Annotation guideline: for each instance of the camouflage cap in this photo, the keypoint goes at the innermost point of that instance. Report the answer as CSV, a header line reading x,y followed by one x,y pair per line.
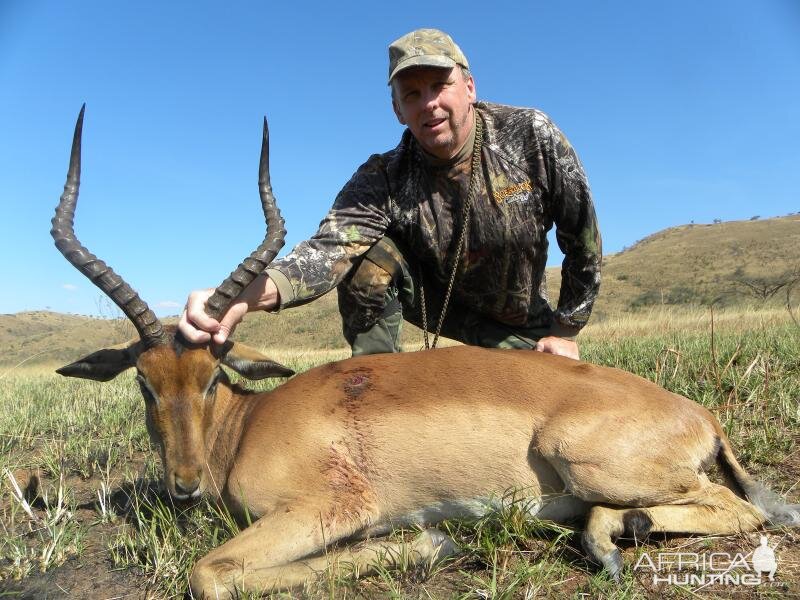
x,y
424,47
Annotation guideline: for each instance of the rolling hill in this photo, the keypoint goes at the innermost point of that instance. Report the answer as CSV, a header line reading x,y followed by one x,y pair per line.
x,y
730,263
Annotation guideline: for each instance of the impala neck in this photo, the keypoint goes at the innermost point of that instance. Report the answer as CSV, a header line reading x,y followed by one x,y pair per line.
x,y
223,432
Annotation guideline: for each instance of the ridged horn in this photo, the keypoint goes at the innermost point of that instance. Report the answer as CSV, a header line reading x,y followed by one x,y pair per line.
x,y
63,232
259,260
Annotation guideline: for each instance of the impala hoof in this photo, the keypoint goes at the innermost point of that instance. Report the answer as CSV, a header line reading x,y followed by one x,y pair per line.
x,y
612,563
435,546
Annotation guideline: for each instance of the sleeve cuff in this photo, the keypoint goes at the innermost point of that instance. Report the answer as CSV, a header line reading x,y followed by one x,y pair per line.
x,y
285,290
564,331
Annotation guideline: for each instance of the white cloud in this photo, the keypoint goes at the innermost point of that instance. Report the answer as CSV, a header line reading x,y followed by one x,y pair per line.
x,y
169,304
69,287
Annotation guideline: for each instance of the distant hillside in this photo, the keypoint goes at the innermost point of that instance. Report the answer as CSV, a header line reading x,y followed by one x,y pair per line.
x,y
727,263
47,337
730,263
35,337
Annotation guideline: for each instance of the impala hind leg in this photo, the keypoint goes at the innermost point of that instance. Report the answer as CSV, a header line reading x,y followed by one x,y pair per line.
x,y
713,510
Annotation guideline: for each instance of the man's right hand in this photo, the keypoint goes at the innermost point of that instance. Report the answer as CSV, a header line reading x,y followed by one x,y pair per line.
x,y
197,327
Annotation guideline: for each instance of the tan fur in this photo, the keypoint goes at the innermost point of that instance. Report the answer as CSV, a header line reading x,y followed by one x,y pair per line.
x,y
349,449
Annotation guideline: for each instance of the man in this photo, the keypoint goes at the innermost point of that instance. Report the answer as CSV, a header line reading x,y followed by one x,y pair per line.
x,y
446,230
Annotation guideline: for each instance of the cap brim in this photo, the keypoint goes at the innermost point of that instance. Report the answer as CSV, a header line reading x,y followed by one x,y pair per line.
x,y
443,62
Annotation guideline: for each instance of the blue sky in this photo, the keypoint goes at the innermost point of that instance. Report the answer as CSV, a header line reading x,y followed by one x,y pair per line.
x,y
680,111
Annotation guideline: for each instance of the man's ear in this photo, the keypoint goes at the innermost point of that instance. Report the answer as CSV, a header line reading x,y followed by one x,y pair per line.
x,y
397,112
104,364
472,92
249,362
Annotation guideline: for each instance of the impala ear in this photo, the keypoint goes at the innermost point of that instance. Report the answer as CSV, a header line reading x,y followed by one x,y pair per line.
x,y
249,362
104,364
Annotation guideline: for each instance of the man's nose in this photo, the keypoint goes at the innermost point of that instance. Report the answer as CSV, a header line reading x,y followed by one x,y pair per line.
x,y
431,100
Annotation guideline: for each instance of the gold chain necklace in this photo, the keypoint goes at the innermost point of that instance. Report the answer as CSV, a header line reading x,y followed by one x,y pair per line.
x,y
466,215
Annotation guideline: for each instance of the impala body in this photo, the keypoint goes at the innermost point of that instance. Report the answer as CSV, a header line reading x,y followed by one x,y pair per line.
x,y
348,450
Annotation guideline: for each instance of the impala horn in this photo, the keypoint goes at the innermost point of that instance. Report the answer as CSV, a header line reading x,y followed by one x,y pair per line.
x,y
254,264
144,320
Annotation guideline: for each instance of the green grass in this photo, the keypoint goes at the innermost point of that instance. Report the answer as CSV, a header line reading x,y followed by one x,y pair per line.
x,y
96,476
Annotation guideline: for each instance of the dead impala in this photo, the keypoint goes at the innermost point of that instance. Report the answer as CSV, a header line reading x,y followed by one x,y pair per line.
x,y
344,452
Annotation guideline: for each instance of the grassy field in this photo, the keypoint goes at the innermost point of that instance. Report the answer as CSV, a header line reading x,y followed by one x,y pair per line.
x,y
82,514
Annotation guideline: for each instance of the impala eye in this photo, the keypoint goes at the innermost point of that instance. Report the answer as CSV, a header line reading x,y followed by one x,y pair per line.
x,y
211,390
145,389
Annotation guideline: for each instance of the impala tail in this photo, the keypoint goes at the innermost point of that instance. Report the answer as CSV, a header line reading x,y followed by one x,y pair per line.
x,y
778,512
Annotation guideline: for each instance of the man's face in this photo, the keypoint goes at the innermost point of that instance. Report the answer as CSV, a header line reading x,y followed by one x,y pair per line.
x,y
436,105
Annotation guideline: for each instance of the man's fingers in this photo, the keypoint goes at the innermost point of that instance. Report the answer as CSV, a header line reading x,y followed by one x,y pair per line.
x,y
223,333
559,346
196,311
190,332
195,325
230,320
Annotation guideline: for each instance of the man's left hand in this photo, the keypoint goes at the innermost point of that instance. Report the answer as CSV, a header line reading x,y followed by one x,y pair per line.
x,y
557,345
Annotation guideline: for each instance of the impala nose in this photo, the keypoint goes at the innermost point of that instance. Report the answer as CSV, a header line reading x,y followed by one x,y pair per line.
x,y
186,486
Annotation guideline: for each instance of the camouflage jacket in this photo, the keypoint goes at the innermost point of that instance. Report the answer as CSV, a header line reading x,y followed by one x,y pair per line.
x,y
531,179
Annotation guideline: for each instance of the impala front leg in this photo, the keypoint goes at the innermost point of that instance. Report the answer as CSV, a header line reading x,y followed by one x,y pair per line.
x,y
247,562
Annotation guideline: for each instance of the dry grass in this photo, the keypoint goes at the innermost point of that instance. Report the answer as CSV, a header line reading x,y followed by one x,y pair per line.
x,y
81,514
670,320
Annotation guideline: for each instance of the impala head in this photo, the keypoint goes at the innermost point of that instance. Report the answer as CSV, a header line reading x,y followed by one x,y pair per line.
x,y
180,381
